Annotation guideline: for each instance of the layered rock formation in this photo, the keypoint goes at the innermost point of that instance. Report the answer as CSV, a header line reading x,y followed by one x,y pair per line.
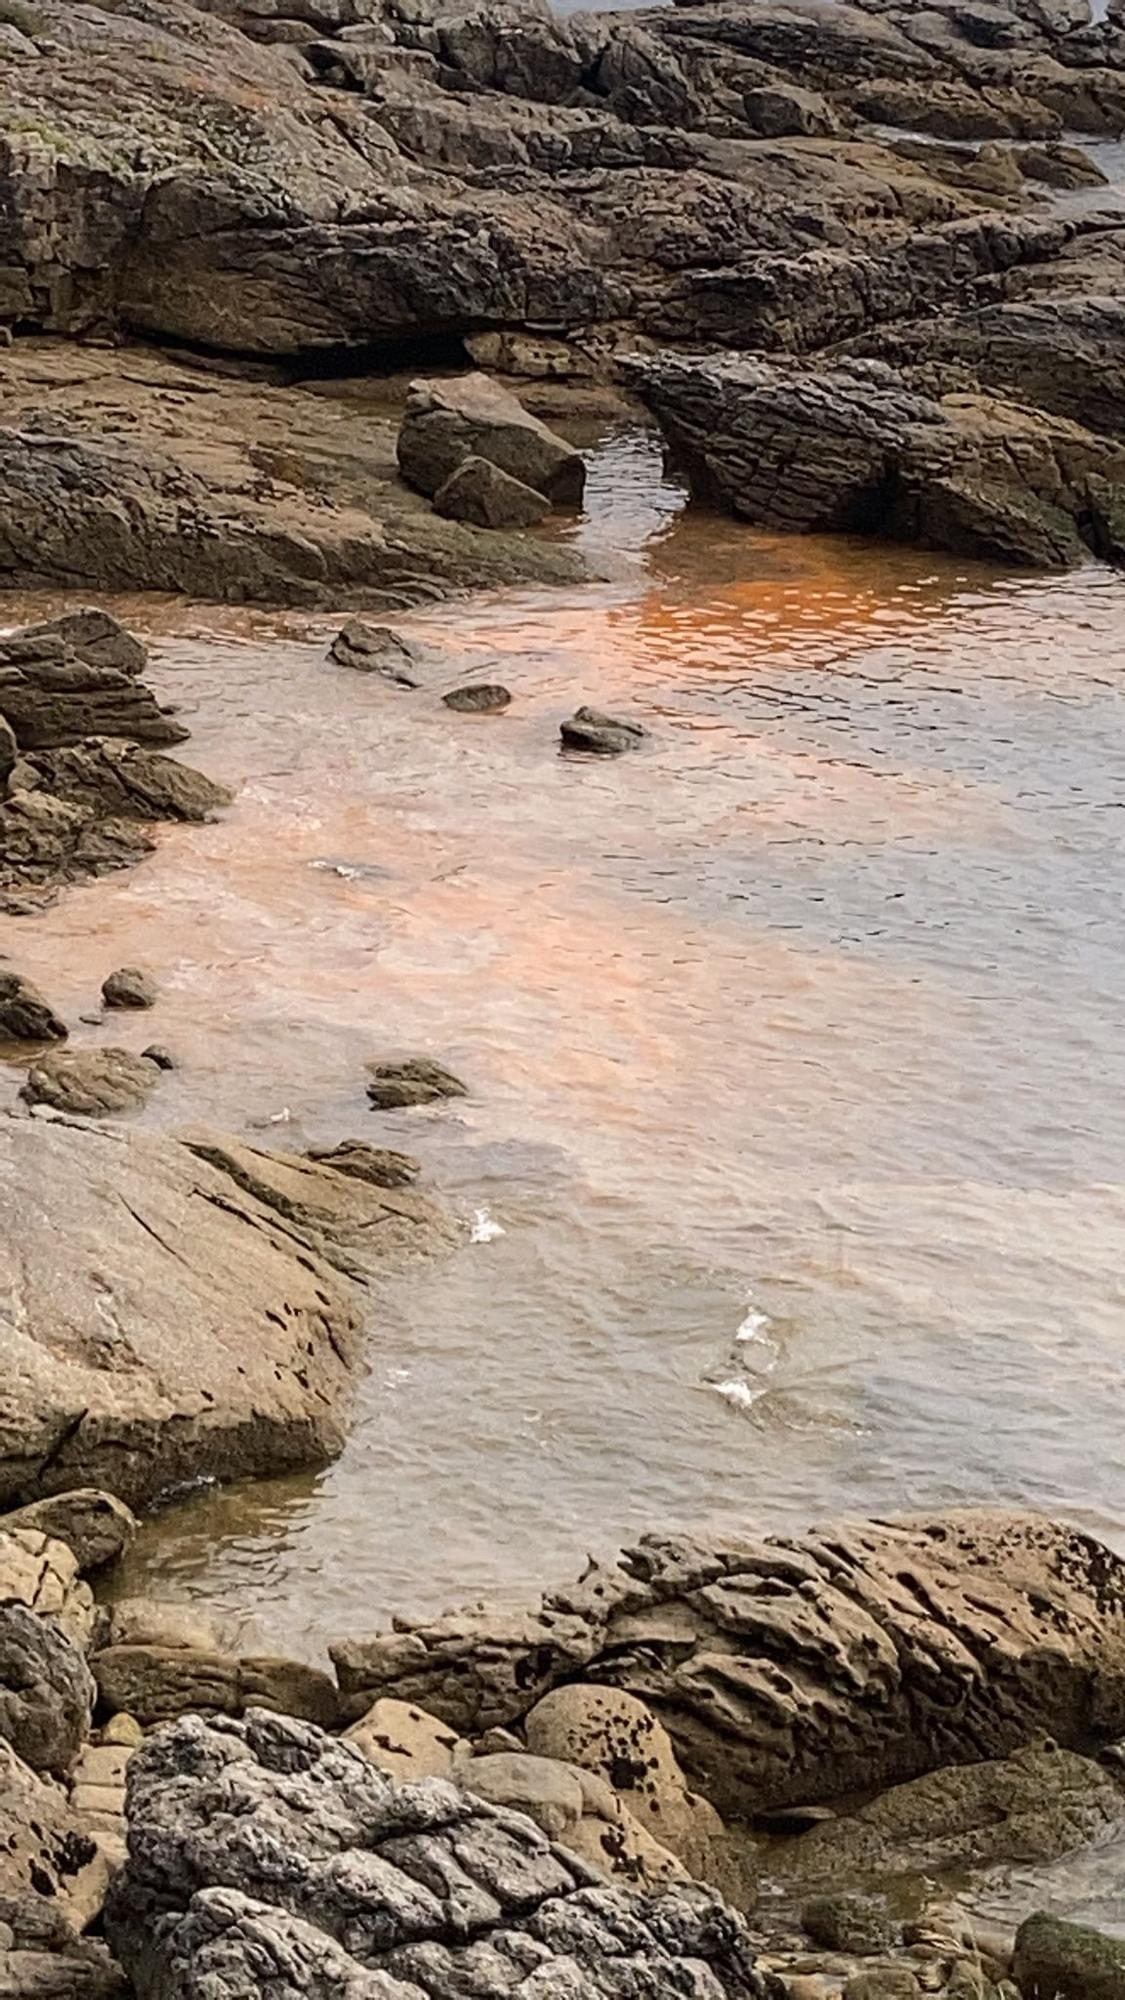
x,y
794,1670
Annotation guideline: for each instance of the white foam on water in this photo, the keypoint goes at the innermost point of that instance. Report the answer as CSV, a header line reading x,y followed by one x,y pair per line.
x,y
485,1227
738,1391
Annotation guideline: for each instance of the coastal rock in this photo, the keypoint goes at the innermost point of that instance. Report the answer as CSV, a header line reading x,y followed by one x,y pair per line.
x,y
25,1014
405,1742
1055,1960
46,1693
52,1877
381,1166
51,696
9,751
42,1574
601,735
854,447
793,1669
156,1683
479,492
418,1080
1034,1806
845,1922
578,1809
96,1527
447,423
187,1334
129,987
345,1216
158,1054
355,1885
90,1083
376,649
608,1732
151,1621
478,698
96,637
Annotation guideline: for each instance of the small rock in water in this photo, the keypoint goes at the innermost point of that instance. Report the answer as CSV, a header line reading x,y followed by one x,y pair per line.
x,y
486,497
25,1015
158,1054
857,1924
380,1165
376,649
90,1083
603,735
416,1081
478,698
129,987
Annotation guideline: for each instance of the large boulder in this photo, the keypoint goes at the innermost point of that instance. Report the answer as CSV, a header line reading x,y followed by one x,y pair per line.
x,y
264,1842
157,1682
470,416
46,1692
579,1810
793,1670
187,1332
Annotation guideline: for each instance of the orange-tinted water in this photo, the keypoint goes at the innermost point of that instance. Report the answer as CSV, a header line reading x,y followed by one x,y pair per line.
x,y
794,1151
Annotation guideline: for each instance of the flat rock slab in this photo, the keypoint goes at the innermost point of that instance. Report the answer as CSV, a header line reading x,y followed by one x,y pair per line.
x,y
798,1669
156,1683
161,1325
263,1842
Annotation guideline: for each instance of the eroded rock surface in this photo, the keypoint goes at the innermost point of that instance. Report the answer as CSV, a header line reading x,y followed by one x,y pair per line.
x,y
25,1013
46,1693
792,1670
187,1332
356,1886
90,1083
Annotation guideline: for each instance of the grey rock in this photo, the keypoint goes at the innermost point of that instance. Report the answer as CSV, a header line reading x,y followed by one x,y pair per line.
x,y
478,698
376,649
188,1332
480,492
25,1014
90,1083
601,735
53,696
801,1668
264,1843
46,1692
418,1080
447,423
129,987
97,637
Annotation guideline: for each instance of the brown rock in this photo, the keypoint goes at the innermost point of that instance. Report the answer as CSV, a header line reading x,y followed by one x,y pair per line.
x,y
418,1080
155,1683
478,698
97,637
25,1014
42,1574
90,1083
49,1868
479,492
96,1527
602,735
46,1693
472,417
405,1742
376,649
381,1166
52,697
129,987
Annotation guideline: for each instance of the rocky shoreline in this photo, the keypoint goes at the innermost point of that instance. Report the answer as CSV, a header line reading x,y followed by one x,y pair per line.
x,y
269,268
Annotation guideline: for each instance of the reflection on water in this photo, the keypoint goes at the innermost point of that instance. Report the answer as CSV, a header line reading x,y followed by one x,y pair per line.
x,y
791,1173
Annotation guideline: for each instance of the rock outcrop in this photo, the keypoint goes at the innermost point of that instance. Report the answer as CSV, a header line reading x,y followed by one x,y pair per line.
x,y
417,1080
794,1670
263,1842
188,1332
451,425
90,1083
51,695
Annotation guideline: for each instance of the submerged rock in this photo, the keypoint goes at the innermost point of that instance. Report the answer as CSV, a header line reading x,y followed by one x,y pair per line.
x,y
380,1165
471,417
185,1335
478,698
480,492
91,1083
355,1885
25,1014
376,649
800,1669
602,735
129,987
418,1080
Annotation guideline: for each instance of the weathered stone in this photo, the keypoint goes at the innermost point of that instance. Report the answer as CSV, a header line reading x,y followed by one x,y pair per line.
x,y
97,637
25,1014
478,698
381,1166
376,649
155,1683
1055,1960
52,1877
846,1922
578,1809
43,1575
129,987
602,735
90,1083
472,417
263,1842
418,1080
478,491
46,1693
162,1057
802,1668
51,696
96,1527
187,1333
148,1621
405,1742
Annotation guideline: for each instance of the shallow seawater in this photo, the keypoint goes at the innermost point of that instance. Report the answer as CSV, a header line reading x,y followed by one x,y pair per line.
x,y
791,1176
